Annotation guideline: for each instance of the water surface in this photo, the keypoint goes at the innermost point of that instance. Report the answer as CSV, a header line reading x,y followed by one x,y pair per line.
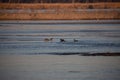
x,y
27,37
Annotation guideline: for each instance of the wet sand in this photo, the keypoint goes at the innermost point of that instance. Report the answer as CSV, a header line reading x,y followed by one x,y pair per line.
x,y
59,67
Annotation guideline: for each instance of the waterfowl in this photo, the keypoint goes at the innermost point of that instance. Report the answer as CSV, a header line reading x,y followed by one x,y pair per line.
x,y
62,40
47,39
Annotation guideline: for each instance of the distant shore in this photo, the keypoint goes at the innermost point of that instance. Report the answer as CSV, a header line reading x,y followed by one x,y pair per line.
x,y
101,5
67,15
77,11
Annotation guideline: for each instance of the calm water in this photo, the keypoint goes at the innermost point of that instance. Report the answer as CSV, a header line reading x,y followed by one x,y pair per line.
x,y
27,37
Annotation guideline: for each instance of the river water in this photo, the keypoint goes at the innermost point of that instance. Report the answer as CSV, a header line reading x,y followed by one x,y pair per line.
x,y
28,37
20,41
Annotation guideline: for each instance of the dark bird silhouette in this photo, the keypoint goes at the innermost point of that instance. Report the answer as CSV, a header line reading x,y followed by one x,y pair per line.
x,y
62,40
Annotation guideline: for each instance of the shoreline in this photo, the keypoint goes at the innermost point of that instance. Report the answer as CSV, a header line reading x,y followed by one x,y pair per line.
x,y
59,21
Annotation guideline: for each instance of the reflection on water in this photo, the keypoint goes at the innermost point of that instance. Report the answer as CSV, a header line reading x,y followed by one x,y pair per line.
x,y
30,38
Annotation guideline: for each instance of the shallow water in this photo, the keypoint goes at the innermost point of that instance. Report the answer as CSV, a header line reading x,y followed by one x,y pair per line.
x,y
27,37
54,67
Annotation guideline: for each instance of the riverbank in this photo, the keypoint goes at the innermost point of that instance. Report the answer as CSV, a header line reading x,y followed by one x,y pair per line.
x,y
78,11
106,5
68,15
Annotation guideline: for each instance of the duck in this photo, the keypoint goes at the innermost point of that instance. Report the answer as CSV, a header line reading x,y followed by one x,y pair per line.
x,y
47,39
62,40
